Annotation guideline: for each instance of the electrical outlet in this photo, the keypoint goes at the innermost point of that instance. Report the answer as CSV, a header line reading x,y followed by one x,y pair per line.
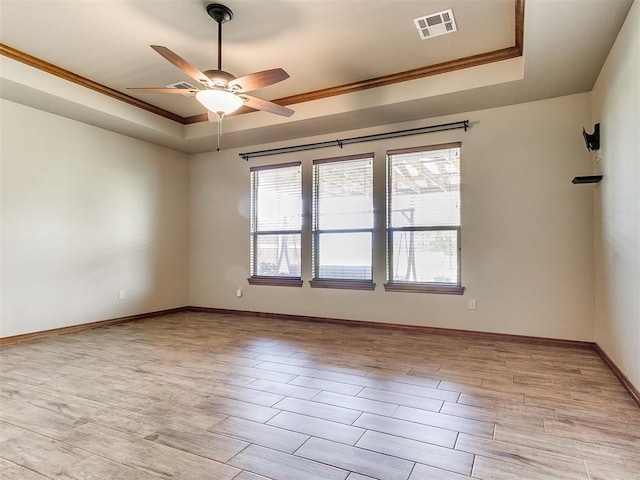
x,y
120,294
472,304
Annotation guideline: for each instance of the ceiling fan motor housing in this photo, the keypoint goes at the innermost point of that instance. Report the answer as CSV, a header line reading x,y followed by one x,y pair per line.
x,y
219,78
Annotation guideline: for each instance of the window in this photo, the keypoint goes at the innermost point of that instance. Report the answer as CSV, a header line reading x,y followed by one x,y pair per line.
x,y
276,224
343,222
423,219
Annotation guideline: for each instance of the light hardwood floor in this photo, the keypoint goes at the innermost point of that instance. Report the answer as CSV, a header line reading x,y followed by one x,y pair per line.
x,y
208,396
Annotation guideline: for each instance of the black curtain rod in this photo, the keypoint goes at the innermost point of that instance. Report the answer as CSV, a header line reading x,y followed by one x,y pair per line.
x,y
365,138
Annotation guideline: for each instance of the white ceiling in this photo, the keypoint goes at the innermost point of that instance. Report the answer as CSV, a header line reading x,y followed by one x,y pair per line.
x,y
320,43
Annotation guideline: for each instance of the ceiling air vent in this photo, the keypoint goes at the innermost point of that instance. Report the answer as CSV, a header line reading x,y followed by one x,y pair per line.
x,y
435,24
183,85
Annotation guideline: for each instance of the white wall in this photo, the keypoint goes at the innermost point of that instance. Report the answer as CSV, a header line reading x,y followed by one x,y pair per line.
x,y
527,231
616,105
86,213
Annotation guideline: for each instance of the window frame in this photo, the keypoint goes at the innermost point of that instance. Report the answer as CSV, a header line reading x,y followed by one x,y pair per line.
x,y
339,283
419,287
275,280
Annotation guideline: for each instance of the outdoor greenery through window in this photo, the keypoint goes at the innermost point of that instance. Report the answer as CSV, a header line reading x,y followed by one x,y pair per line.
x,y
276,223
343,221
423,219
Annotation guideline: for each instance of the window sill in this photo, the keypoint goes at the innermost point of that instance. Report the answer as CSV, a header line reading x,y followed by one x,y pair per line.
x,y
276,281
424,288
343,284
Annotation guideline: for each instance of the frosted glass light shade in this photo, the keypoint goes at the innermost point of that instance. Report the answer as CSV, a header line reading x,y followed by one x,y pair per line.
x,y
219,101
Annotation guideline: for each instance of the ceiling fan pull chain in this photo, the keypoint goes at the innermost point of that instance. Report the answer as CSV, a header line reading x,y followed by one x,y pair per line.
x,y
220,117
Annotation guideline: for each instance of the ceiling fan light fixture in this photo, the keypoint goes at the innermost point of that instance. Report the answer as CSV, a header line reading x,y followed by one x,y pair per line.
x,y
219,101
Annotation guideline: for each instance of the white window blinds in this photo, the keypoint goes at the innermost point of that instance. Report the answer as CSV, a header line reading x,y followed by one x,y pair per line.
x,y
423,215
276,220
343,218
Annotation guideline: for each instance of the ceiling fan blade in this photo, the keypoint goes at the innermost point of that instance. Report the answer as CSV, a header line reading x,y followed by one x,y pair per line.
x,y
180,91
256,80
182,64
266,106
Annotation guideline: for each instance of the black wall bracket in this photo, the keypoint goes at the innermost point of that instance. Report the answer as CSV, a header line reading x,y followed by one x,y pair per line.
x,y
587,179
592,140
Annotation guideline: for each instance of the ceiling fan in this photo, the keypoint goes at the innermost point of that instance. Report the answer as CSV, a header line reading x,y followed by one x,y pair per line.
x,y
222,93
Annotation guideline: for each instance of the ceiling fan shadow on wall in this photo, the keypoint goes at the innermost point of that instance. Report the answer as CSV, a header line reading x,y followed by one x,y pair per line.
x,y
222,93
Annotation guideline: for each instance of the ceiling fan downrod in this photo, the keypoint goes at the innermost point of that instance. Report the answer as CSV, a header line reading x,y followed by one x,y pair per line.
x,y
221,14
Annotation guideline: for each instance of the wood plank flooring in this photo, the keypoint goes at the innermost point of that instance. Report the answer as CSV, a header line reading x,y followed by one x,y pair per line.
x,y
208,396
